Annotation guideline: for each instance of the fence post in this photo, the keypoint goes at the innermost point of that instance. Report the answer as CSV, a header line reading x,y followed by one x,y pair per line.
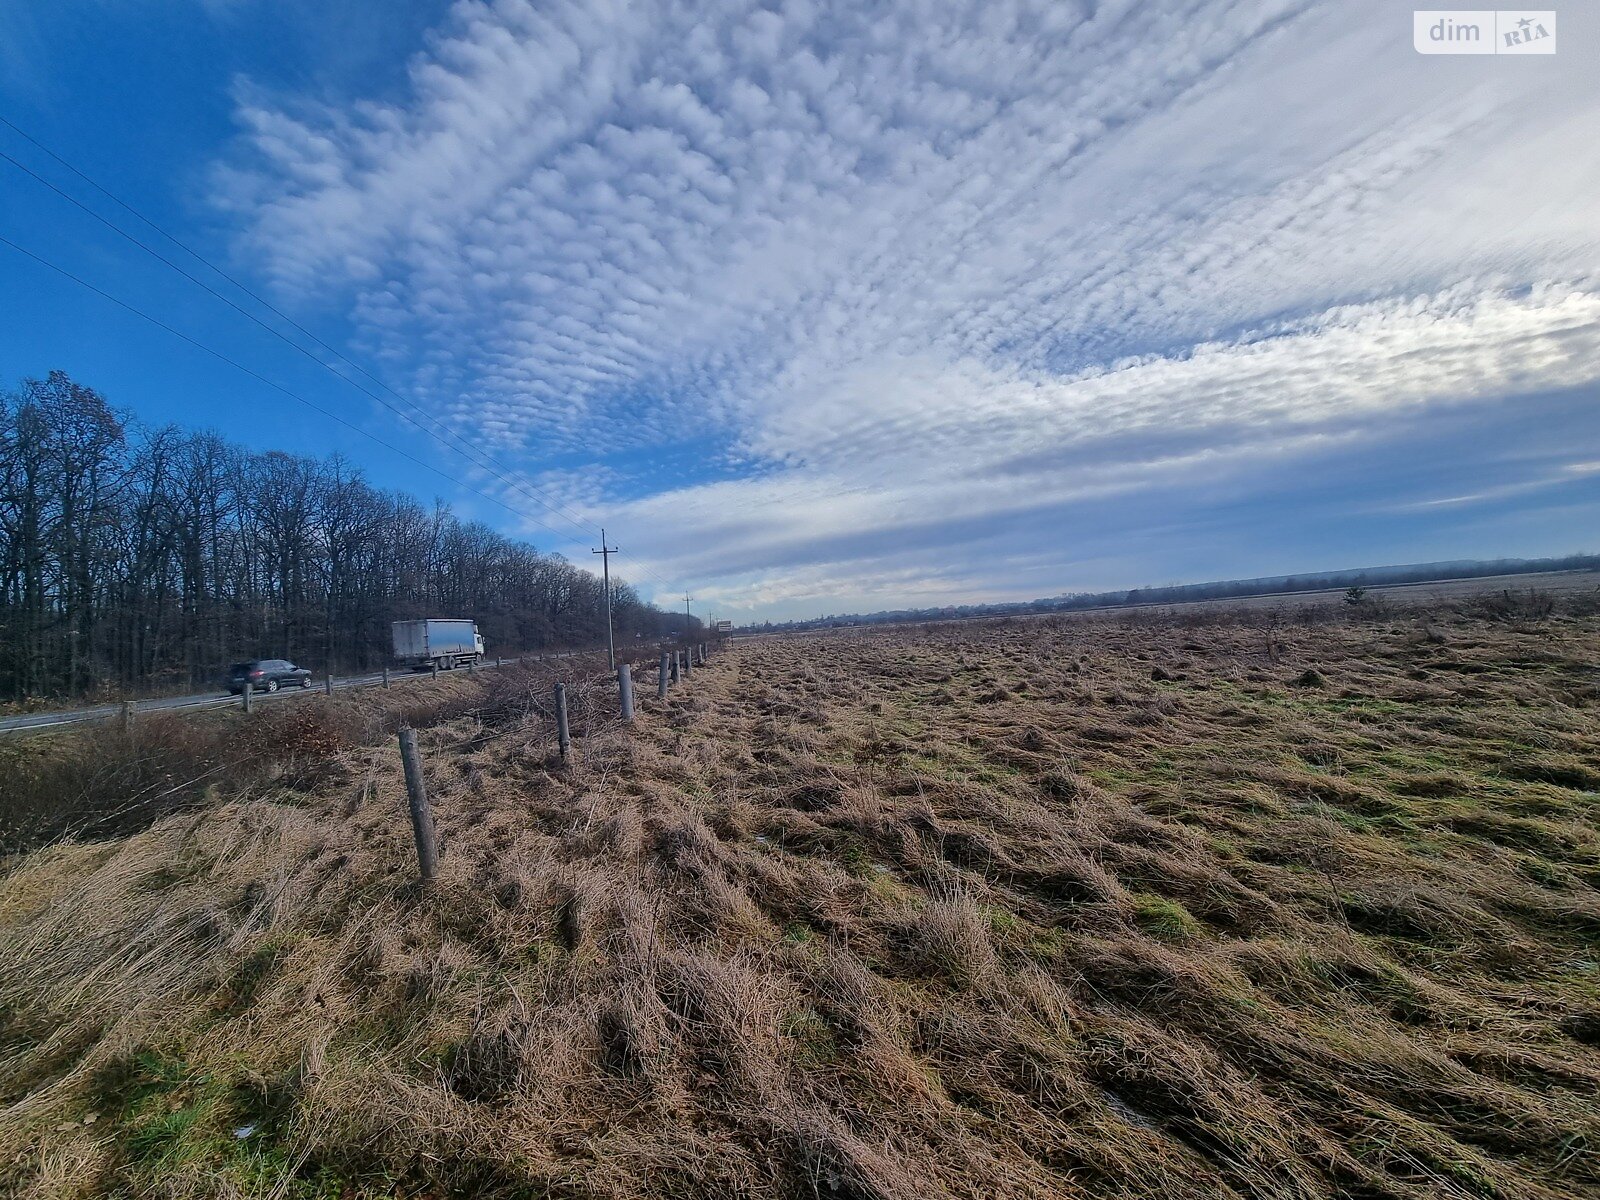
x,y
661,680
246,694
127,715
385,674
436,668
472,666
625,690
417,801
687,666
563,733
673,660
327,684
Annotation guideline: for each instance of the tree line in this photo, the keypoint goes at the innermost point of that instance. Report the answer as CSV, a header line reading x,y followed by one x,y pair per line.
x,y
145,559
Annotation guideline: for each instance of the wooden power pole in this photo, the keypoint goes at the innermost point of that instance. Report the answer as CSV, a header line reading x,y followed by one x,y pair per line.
x,y
605,552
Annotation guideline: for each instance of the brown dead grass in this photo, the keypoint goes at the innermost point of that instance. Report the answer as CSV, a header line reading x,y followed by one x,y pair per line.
x,y
1024,909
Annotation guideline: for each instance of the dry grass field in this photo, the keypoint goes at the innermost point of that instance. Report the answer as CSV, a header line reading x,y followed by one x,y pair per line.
x,y
1223,906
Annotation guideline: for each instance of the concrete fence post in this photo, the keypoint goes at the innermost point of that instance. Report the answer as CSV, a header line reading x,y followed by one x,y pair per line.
x,y
417,801
246,694
661,680
327,684
625,690
563,733
688,667
673,661
127,715
385,674
435,671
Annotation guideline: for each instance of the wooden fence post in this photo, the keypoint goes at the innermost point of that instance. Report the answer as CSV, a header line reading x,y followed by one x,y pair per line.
x,y
661,680
417,801
246,695
625,690
563,733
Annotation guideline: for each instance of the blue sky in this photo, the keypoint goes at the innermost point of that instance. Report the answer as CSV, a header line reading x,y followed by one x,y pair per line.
x,y
827,306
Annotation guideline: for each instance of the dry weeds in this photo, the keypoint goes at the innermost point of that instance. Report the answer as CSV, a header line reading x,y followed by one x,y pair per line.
x,y
1233,907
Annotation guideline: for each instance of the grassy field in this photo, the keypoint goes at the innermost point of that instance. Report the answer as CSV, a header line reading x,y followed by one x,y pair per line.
x,y
1231,905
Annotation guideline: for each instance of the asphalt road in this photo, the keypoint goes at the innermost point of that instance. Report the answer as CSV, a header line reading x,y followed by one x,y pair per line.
x,y
106,712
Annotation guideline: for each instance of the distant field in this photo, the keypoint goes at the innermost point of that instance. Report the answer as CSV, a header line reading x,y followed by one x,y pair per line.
x,y
1137,906
1557,582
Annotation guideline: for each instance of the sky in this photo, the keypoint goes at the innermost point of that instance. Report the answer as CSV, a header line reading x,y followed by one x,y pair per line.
x,y
823,307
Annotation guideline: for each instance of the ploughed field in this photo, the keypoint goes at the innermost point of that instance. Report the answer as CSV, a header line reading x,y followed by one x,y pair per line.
x,y
1230,906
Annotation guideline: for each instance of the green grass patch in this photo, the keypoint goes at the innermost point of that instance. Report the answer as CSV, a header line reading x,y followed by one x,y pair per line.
x,y
812,1040
1164,919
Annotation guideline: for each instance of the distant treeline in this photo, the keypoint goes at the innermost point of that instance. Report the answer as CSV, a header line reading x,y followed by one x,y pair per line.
x,y
1220,590
137,558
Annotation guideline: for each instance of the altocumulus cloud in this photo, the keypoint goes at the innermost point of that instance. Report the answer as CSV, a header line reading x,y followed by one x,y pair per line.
x,y
931,300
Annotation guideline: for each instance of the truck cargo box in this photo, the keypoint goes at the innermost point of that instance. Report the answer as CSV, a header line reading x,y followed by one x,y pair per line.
x,y
436,639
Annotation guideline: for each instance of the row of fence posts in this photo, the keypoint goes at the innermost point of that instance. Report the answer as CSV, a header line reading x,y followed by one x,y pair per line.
x,y
247,694
674,665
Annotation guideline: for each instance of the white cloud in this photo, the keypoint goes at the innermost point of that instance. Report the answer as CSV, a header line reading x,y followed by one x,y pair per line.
x,y
905,258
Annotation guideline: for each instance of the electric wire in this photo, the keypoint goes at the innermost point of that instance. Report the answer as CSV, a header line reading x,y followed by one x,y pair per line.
x,y
448,437
273,384
439,432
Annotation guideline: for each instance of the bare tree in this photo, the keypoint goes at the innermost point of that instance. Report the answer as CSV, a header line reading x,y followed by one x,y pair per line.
x,y
131,558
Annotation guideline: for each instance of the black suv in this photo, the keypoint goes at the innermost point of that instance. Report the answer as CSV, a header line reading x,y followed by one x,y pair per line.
x,y
267,675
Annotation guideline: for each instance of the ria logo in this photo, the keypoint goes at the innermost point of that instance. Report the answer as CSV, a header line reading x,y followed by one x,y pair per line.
x,y
1483,31
1527,31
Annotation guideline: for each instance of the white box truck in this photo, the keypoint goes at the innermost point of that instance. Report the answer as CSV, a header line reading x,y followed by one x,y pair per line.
x,y
421,644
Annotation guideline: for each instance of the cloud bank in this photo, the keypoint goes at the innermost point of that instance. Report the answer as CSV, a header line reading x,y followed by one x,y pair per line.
x,y
827,304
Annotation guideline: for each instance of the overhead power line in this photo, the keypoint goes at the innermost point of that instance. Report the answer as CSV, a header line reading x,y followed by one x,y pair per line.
x,y
273,384
422,420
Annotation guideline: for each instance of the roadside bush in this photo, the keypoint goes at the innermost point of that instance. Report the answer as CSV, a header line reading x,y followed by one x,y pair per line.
x,y
1508,605
101,781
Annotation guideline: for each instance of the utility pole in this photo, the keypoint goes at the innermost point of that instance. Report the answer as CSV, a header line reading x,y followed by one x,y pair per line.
x,y
687,619
605,552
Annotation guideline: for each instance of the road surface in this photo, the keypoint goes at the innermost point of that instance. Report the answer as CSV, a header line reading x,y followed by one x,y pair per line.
x,y
106,712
